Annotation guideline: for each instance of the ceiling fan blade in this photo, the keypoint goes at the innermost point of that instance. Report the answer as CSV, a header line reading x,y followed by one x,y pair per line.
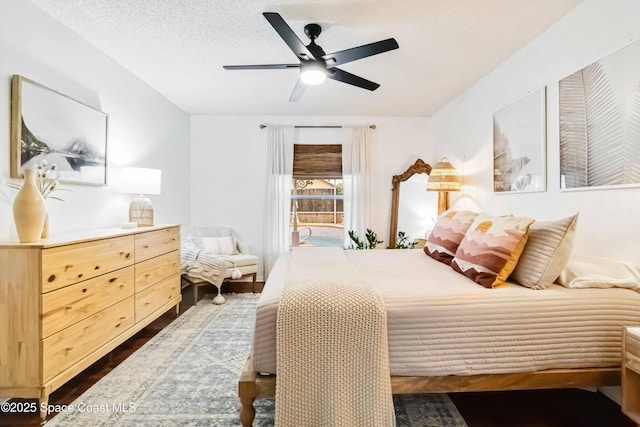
x,y
298,90
348,55
352,79
261,67
288,35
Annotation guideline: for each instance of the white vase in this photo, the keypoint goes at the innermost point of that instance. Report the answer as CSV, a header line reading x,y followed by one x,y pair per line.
x,y
29,210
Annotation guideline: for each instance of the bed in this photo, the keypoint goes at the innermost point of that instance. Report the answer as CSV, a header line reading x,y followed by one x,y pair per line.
x,y
447,333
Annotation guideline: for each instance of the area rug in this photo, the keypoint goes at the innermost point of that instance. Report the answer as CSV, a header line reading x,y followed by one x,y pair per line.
x,y
187,375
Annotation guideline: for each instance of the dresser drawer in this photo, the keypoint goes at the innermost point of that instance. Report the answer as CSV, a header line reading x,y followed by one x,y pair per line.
x,y
62,350
156,296
66,265
154,243
153,270
64,307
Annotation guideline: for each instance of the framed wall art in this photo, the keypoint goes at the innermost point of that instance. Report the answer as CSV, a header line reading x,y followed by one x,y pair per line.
x,y
519,145
48,125
600,123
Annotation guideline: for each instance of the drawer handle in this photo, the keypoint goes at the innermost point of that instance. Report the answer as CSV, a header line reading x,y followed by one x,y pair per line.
x,y
147,303
67,350
84,290
126,255
80,276
97,267
52,278
174,239
122,285
146,246
120,322
69,307
68,266
147,275
113,279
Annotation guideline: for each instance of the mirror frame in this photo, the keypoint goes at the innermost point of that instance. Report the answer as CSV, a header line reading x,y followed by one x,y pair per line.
x,y
417,168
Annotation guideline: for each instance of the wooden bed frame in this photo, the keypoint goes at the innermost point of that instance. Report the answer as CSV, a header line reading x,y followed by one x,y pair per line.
x,y
253,385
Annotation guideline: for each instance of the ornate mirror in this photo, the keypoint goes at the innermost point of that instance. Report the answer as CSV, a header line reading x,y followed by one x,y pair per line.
x,y
413,209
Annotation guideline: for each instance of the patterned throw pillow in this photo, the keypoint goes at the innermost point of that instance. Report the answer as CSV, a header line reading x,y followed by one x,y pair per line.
x,y
546,252
491,248
447,234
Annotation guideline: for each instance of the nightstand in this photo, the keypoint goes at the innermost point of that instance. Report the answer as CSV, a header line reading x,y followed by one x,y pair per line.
x,y
631,373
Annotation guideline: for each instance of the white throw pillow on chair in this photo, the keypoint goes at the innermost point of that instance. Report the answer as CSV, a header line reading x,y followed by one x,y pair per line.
x,y
219,245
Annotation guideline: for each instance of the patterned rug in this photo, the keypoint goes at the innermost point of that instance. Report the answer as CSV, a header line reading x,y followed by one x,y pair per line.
x,y
187,375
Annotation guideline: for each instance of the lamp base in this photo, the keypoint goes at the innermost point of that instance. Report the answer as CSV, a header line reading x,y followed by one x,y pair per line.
x,y
141,211
443,201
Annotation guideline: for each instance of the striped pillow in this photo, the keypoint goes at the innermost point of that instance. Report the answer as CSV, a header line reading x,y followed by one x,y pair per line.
x,y
491,248
546,252
225,245
447,234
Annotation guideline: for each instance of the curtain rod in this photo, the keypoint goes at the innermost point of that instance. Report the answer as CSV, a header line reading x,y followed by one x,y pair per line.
x,y
262,126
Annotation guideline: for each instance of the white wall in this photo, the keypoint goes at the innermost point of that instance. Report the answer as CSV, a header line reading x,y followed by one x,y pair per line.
x,y
228,166
145,130
609,219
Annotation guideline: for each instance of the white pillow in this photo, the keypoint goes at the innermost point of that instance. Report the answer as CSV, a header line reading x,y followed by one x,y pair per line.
x,y
546,252
593,272
219,245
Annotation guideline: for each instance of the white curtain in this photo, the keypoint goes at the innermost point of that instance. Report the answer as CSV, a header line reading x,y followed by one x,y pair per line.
x,y
356,178
278,194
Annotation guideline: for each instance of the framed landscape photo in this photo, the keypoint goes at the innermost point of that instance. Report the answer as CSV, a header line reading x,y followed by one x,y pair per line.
x,y
50,126
519,145
600,123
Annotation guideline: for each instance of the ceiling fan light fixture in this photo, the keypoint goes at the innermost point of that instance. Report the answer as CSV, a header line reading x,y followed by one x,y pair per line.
x,y
313,76
313,59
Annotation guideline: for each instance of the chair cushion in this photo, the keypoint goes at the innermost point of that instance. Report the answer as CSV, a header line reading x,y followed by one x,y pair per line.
x,y
241,260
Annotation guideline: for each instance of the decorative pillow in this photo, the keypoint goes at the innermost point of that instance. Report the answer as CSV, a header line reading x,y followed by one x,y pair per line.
x,y
447,234
225,245
491,248
546,252
593,272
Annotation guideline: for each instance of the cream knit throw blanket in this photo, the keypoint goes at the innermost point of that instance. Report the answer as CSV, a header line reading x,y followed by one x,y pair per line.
x,y
332,352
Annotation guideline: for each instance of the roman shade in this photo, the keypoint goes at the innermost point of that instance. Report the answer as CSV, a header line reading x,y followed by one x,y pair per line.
x,y
317,161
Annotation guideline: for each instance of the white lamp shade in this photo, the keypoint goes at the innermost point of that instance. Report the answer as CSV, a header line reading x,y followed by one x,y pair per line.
x,y
141,180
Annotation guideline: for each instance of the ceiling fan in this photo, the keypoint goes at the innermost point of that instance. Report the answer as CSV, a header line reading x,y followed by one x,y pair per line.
x,y
316,65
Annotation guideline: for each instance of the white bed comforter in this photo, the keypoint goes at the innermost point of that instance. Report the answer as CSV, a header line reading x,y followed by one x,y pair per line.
x,y
441,323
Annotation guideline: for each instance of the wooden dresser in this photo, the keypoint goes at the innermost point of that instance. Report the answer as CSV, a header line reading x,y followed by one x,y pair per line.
x,y
68,300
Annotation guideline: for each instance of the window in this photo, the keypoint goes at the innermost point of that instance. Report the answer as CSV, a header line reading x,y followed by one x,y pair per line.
x,y
317,214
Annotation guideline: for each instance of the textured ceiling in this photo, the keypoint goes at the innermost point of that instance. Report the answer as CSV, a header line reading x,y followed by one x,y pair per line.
x,y
179,46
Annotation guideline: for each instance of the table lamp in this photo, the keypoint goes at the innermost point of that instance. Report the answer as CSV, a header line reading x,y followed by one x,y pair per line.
x,y
443,178
141,181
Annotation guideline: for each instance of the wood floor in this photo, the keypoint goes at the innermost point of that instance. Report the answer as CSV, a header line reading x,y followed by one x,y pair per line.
x,y
539,408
